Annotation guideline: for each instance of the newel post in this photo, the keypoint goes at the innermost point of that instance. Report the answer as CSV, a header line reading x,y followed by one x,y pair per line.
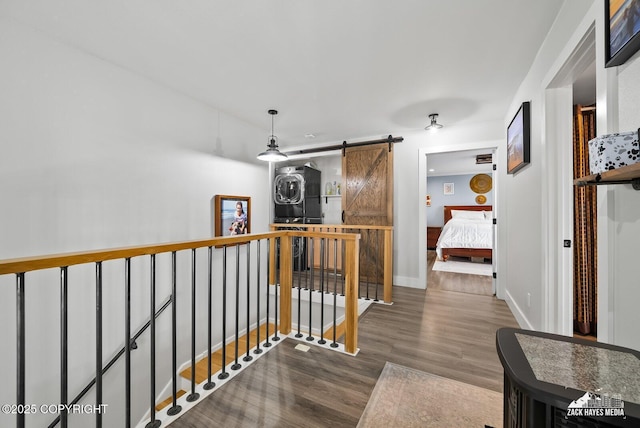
x,y
352,273
388,265
286,279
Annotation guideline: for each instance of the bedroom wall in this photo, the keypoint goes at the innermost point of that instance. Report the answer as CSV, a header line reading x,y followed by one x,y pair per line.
x,y
463,195
94,156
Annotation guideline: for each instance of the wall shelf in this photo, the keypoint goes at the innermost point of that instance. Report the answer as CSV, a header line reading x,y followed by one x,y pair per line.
x,y
624,175
326,197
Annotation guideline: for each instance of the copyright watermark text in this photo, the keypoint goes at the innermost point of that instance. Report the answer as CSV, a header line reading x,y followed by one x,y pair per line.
x,y
32,409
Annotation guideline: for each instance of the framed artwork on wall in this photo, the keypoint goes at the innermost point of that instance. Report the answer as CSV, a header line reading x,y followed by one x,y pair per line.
x,y
519,139
448,189
232,215
622,31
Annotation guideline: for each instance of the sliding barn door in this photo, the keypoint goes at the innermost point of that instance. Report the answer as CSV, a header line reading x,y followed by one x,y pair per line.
x,y
367,199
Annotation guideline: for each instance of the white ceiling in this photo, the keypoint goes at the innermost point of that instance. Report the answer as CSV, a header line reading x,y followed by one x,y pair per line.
x,y
341,70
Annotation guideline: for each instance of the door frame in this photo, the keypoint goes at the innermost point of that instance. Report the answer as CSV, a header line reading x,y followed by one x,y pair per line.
x,y
587,45
423,158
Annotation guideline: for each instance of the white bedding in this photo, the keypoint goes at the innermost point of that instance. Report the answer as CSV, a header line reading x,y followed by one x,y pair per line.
x,y
465,233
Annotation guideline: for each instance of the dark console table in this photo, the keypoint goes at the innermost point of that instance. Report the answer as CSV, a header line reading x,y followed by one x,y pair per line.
x,y
545,374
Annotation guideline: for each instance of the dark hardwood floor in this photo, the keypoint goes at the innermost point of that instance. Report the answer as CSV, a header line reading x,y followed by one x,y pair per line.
x,y
450,334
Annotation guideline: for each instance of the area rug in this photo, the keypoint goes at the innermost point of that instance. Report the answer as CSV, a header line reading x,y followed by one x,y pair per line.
x,y
484,269
404,397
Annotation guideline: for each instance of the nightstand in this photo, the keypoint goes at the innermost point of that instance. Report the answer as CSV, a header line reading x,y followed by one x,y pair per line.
x,y
433,233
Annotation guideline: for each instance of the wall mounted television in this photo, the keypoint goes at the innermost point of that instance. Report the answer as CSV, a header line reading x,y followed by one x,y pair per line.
x,y
622,35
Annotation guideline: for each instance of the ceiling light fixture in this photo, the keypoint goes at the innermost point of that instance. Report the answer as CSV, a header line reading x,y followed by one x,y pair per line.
x,y
272,154
434,126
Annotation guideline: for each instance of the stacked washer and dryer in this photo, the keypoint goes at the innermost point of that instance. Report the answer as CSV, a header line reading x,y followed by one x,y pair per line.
x,y
297,201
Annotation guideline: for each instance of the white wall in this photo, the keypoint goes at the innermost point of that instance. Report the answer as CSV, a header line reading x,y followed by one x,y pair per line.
x,y
528,198
533,198
93,156
626,214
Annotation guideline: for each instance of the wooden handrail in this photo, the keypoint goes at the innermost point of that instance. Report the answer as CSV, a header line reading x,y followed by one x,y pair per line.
x,y
28,264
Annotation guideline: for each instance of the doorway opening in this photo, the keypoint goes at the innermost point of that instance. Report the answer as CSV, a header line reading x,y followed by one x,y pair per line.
x,y
463,181
573,84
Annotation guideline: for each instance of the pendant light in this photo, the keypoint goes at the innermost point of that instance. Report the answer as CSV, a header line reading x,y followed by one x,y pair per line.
x,y
434,126
272,154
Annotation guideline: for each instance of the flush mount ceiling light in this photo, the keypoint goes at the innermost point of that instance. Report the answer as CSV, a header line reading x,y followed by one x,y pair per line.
x,y
272,154
434,126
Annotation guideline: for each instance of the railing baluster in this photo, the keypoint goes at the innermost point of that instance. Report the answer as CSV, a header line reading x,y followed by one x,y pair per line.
x,y
368,259
175,407
322,263
276,240
275,337
258,350
236,365
313,280
20,348
248,356
64,335
98,342
299,334
127,341
334,344
153,422
309,244
344,261
224,374
210,384
193,396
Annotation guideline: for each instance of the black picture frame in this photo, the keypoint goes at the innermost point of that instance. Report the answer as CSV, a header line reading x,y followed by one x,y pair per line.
x,y
622,31
224,220
519,139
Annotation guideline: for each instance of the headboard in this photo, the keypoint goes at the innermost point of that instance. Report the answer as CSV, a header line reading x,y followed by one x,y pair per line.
x,y
448,208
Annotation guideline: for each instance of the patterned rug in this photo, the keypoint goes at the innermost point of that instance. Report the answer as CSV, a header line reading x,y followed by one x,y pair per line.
x,y
404,397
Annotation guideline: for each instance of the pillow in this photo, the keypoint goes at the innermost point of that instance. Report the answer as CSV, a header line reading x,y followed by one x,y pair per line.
x,y
468,215
488,215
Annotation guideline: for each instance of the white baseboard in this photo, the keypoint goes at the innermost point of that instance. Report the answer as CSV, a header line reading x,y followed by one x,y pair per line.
x,y
523,322
407,281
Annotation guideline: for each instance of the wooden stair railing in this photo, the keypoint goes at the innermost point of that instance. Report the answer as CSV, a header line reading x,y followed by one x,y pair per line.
x,y
65,264
378,259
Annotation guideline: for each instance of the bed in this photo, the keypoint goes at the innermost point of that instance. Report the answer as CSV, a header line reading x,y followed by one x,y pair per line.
x,y
467,232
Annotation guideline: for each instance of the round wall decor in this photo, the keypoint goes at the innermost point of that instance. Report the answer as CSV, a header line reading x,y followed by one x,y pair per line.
x,y
480,183
481,199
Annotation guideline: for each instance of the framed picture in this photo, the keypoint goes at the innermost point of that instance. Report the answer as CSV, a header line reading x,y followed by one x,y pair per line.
x,y
448,189
519,139
232,215
622,30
